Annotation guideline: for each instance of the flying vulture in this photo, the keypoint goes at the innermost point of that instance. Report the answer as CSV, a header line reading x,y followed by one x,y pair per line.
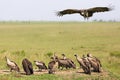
x,y
86,13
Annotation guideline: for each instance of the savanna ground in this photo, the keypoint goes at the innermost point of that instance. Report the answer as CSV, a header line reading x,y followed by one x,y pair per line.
x,y
39,40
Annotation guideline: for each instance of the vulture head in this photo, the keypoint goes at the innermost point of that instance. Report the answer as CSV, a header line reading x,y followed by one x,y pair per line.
x,y
89,55
63,54
75,55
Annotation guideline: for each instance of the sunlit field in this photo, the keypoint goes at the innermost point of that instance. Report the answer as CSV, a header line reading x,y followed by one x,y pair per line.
x,y
35,40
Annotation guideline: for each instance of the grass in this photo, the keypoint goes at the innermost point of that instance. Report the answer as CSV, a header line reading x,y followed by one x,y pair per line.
x,y
32,77
38,41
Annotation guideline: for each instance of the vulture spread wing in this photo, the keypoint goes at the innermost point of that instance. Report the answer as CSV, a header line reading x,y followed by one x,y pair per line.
x,y
99,9
86,13
67,11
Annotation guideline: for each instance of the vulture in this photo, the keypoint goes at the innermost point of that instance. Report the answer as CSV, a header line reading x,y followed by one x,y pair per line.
x,y
86,61
52,67
65,63
95,63
96,59
12,65
41,65
69,60
27,66
86,13
84,64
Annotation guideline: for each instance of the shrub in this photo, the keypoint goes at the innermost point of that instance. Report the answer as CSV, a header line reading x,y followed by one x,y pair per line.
x,y
49,54
2,51
115,54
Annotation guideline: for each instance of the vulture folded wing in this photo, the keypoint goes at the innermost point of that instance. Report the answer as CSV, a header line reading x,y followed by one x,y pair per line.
x,y
39,63
13,64
67,11
99,9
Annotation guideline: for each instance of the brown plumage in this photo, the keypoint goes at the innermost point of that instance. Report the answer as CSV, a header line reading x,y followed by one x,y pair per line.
x,y
41,65
65,63
12,65
70,61
27,66
86,13
95,58
84,64
51,67
95,63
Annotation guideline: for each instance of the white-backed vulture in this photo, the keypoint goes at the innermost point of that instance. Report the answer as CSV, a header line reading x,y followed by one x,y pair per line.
x,y
70,61
12,65
52,66
95,63
41,65
85,65
95,58
64,63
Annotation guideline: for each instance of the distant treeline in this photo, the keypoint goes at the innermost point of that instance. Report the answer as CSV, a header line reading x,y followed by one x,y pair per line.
x,y
28,22
104,20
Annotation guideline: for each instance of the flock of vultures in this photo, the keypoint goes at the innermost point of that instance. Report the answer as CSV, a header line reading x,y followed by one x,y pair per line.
x,y
88,63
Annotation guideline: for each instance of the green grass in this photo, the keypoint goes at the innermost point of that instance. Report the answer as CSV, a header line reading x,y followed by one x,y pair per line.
x,y
37,41
31,77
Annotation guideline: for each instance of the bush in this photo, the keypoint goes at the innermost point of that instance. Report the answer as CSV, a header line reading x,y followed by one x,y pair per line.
x,y
115,54
2,51
49,54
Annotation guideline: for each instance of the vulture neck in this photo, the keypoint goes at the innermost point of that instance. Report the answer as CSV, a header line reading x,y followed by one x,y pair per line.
x,y
8,61
77,58
64,57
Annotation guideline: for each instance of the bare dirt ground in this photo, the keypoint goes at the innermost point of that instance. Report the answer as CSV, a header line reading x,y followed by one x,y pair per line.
x,y
70,72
